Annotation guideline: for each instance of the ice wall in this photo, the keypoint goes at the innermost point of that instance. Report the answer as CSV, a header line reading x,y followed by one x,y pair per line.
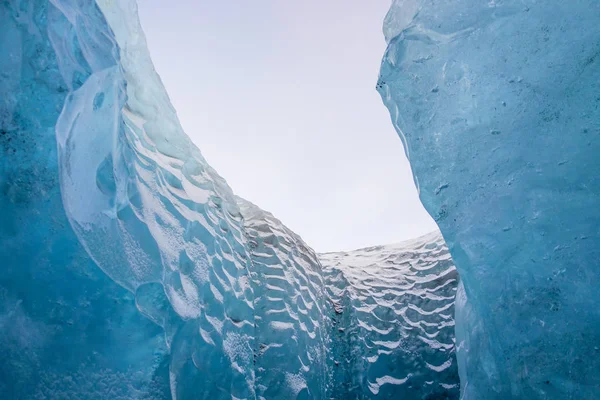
x,y
129,270
156,218
83,107
292,311
141,201
394,320
67,331
497,103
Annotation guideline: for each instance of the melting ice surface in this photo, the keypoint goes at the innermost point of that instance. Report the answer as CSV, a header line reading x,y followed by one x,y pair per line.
x,y
498,105
129,270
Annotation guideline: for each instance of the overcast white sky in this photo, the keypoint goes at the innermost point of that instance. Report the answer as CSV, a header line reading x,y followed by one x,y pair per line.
x,y
280,98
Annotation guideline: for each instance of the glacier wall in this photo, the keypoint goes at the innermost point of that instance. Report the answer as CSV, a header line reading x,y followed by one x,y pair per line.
x,y
82,107
394,320
292,312
156,218
497,103
68,331
129,270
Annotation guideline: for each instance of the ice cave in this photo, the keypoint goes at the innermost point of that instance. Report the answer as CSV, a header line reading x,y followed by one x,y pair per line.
x,y
129,269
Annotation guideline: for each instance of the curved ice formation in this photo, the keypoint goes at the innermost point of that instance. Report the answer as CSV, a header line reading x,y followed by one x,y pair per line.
x,y
149,210
198,294
139,198
394,320
67,330
291,310
497,103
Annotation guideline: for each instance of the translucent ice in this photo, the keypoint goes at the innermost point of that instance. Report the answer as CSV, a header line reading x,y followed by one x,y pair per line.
x,y
498,105
136,198
129,270
67,331
292,312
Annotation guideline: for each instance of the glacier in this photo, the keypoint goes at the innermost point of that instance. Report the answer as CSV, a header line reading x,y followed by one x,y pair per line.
x,y
394,320
497,104
292,312
130,270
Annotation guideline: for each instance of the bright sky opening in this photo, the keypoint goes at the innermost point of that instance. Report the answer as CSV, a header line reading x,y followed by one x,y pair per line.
x,y
280,98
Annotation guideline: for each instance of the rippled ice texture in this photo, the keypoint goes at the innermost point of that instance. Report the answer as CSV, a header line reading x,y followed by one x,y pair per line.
x,y
393,328
498,105
198,294
292,311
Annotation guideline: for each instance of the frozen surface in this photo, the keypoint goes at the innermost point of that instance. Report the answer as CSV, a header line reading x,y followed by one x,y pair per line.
x,y
292,314
67,331
129,270
394,320
497,103
171,313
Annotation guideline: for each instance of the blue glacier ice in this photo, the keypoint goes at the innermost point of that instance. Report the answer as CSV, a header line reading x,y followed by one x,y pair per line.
x,y
130,270
96,172
292,311
66,327
498,105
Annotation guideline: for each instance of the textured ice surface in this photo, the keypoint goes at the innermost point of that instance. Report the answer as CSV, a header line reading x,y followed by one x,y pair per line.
x,y
129,270
497,103
141,202
67,331
156,218
292,312
394,320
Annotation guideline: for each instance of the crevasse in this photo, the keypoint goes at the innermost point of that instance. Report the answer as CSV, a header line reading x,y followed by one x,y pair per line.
x,y
198,294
